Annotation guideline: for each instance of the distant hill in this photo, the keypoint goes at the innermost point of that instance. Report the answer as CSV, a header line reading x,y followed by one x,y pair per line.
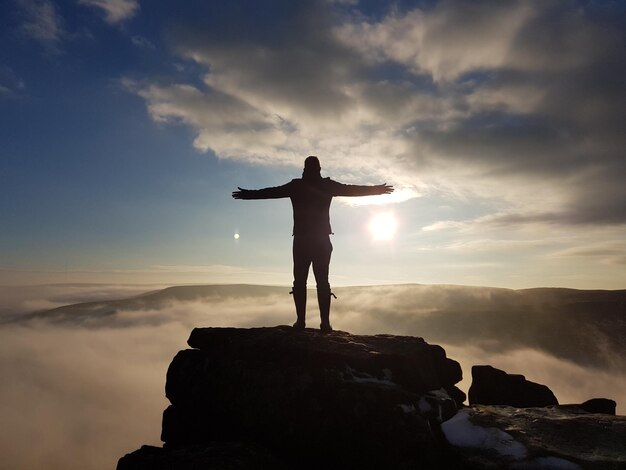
x,y
152,300
587,327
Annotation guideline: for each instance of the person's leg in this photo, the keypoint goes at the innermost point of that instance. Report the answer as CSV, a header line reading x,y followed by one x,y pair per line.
x,y
301,263
321,264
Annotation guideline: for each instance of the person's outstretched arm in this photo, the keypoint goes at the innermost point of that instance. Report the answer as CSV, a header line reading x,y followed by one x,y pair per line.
x,y
341,189
275,192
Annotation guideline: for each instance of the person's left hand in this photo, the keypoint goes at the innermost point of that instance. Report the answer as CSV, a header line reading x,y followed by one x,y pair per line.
x,y
241,194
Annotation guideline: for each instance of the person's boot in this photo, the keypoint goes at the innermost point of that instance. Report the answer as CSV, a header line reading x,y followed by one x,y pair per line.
x,y
323,300
299,299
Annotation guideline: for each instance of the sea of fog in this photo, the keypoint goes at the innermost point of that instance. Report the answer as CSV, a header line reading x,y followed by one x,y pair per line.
x,y
81,391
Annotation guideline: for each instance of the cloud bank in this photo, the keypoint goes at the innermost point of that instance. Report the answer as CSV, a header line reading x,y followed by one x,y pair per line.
x,y
41,22
115,11
82,392
518,103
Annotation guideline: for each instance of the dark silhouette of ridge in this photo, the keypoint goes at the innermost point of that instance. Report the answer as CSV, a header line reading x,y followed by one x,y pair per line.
x,y
152,299
583,327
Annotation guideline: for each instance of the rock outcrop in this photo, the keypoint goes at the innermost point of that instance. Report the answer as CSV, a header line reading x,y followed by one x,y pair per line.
x,y
554,437
277,398
491,386
218,455
310,399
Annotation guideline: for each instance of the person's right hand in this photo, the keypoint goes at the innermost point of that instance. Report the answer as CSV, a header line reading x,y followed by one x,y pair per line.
x,y
386,189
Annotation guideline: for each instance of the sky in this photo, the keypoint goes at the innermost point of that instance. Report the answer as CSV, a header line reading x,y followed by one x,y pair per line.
x,y
125,125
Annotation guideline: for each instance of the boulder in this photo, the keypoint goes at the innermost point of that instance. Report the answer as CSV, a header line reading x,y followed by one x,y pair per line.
x,y
311,400
211,456
599,405
595,405
491,386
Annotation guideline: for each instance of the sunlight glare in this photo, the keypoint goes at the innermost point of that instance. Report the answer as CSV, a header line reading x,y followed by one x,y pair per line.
x,y
383,226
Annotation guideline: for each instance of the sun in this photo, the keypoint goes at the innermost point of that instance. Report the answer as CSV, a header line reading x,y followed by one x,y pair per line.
x,y
383,226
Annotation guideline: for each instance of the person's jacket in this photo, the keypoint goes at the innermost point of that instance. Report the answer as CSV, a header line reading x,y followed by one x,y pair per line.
x,y
310,199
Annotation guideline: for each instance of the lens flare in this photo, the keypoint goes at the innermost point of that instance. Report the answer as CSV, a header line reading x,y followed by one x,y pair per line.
x,y
383,226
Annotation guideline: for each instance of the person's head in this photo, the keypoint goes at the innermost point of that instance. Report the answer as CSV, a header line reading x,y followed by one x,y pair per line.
x,y
312,168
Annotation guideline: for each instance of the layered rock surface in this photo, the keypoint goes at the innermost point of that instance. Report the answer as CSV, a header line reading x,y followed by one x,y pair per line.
x,y
554,437
280,398
309,397
312,400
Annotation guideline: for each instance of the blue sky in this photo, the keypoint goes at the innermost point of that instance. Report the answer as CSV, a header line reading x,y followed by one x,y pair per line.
x,y
125,125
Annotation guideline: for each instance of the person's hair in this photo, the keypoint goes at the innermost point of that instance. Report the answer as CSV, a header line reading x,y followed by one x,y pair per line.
x,y
312,168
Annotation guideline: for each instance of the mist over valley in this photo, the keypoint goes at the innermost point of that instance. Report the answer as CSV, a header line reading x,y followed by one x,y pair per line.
x,y
88,377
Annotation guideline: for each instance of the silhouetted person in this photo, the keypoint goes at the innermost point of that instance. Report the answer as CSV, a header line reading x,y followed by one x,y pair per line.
x,y
310,198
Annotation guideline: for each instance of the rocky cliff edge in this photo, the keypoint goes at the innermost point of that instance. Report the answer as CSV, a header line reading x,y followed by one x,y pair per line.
x,y
280,398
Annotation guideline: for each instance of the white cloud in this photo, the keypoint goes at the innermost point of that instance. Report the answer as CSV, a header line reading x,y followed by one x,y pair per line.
x,y
454,37
227,125
146,275
610,252
42,22
444,225
104,381
85,397
445,42
10,84
497,245
468,101
142,42
115,11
